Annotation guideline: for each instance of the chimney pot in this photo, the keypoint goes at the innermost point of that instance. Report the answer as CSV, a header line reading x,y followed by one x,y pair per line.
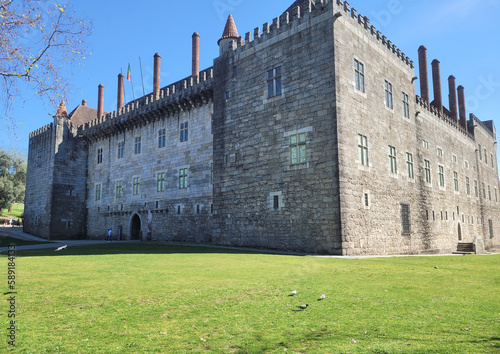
x,y
196,54
424,77
436,80
121,91
461,107
453,98
84,102
156,77
100,101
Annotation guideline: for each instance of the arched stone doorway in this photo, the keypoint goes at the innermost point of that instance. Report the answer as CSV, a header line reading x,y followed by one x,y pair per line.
x,y
459,232
135,228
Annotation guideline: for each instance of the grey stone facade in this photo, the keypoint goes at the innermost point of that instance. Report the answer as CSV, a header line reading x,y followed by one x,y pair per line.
x,y
285,150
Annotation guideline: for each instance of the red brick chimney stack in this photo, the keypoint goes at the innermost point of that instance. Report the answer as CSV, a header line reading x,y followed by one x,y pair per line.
x,y
156,77
461,107
196,55
436,80
453,98
100,101
121,90
424,78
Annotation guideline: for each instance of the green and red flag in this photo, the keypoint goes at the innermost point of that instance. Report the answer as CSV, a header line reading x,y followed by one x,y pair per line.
x,y
128,72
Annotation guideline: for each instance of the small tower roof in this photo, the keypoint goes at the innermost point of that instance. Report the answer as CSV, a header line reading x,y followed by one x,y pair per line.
x,y
62,111
230,30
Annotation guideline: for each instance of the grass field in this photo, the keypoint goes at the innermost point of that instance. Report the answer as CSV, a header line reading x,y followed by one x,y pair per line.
x,y
17,211
139,298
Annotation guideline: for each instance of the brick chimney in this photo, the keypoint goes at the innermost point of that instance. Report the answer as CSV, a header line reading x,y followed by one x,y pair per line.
x,y
100,101
453,98
196,54
156,76
424,78
84,102
121,90
461,107
436,81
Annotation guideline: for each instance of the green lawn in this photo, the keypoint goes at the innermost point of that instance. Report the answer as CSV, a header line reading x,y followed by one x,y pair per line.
x,y
17,211
7,240
139,298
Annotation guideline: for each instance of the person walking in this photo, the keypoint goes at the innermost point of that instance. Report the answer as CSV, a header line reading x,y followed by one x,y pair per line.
x,y
109,238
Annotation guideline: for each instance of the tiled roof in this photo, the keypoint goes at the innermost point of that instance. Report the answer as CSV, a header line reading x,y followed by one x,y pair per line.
x,y
230,30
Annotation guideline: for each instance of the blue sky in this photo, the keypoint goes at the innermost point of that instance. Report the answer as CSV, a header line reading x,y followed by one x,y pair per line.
x,y
462,34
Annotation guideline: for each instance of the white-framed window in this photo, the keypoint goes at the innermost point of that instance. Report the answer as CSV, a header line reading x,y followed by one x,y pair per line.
x,y
359,75
99,155
467,185
440,152
476,189
455,180
425,144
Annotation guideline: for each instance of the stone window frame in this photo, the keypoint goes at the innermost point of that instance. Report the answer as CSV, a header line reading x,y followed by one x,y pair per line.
x,y
480,152
363,149
393,162
409,166
286,145
388,97
136,185
184,131
276,201
489,193
476,188
359,75
298,148
484,190
406,105
441,177
98,192
99,155
162,138
121,149
137,144
467,186
455,182
439,152
485,156
454,158
160,182
427,172
119,188
274,82
425,144
183,178
405,219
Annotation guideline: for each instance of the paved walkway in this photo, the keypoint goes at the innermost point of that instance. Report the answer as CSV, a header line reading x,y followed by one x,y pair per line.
x,y
17,232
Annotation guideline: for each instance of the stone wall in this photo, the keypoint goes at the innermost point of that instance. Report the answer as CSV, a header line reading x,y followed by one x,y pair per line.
x,y
262,199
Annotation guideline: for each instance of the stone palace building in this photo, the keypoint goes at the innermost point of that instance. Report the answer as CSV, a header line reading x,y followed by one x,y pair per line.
x,y
307,134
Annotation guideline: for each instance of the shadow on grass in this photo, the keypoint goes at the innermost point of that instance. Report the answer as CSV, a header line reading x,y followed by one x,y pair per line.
x,y
5,241
136,248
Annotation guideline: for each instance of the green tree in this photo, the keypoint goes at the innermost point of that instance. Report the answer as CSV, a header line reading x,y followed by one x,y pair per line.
x,y
37,39
12,179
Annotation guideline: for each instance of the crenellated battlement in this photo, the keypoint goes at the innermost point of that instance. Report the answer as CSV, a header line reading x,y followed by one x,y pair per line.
x,y
436,112
182,95
300,15
42,131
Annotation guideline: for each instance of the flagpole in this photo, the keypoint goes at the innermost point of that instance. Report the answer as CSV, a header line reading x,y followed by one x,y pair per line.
x,y
142,79
131,83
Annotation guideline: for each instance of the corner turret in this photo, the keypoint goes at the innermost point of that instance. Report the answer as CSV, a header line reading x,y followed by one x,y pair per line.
x,y
62,111
229,35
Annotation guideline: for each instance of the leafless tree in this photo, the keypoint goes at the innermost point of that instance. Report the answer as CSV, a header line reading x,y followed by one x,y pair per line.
x,y
38,39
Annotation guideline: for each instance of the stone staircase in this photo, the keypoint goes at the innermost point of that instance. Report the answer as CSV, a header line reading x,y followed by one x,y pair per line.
x,y
465,248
